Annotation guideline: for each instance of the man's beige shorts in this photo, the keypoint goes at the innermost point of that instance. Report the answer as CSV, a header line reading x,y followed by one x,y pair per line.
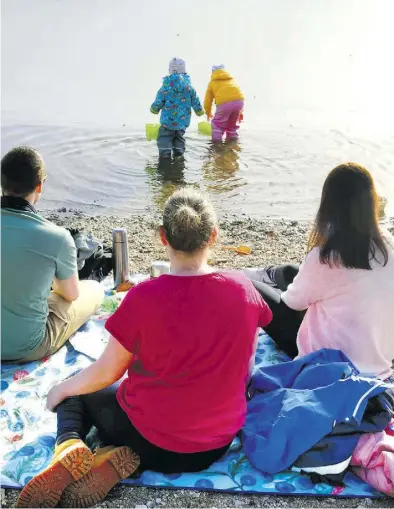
x,y
65,318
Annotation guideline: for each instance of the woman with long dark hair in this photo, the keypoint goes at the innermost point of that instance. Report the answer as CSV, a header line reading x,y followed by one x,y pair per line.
x,y
346,282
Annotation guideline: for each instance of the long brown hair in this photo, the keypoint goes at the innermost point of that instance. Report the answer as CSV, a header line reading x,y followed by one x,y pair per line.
x,y
346,228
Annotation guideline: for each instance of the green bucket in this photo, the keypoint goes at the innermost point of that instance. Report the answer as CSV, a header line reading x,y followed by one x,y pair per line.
x,y
205,128
152,131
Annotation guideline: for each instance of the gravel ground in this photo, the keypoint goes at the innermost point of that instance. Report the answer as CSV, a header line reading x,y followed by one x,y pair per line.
x,y
272,242
142,498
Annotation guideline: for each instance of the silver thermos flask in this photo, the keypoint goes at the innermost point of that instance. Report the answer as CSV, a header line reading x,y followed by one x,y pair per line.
x,y
121,256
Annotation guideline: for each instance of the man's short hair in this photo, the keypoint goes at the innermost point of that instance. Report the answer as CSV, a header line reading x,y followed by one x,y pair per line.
x,y
22,169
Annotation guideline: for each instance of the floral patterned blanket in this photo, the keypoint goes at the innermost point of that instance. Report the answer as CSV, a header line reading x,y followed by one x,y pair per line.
x,y
28,429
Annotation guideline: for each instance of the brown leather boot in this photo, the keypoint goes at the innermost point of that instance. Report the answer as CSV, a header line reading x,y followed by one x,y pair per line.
x,y
111,465
71,460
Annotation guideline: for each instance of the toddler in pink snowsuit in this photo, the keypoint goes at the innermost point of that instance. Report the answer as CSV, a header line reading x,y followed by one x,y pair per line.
x,y
229,101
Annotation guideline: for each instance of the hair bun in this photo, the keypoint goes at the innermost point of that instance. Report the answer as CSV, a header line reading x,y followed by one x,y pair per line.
x,y
187,217
188,221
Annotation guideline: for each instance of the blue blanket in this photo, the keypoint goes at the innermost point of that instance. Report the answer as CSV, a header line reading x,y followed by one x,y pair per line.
x,y
28,429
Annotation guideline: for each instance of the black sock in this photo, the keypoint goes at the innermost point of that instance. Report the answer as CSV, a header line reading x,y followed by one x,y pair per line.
x,y
70,420
67,436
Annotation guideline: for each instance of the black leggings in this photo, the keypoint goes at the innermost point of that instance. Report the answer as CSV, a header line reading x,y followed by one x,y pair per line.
x,y
285,322
77,415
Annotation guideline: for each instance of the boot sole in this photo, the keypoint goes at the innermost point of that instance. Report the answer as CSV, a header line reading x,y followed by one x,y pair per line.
x,y
45,489
97,483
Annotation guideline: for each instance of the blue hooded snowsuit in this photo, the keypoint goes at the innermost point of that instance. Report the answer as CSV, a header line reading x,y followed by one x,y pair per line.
x,y
175,100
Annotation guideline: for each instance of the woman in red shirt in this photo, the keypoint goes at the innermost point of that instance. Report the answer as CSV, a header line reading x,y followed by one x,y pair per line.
x,y
186,341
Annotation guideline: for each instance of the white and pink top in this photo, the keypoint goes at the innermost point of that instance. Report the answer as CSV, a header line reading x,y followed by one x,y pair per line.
x,y
348,309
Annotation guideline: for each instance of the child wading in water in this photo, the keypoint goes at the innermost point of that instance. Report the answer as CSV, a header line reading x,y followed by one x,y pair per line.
x,y
229,101
175,99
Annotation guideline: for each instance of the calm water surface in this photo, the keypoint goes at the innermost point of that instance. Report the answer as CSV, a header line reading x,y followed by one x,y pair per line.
x,y
78,79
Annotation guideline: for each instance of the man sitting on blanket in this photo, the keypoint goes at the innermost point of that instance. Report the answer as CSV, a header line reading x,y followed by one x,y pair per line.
x,y
36,255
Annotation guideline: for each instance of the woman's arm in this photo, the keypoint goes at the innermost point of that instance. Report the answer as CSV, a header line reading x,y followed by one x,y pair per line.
x,y
309,285
109,368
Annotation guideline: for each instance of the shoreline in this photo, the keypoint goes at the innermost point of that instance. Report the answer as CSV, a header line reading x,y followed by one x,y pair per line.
x,y
271,241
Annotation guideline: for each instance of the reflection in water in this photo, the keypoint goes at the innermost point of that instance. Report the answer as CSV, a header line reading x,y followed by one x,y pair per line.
x,y
219,173
274,174
165,177
221,167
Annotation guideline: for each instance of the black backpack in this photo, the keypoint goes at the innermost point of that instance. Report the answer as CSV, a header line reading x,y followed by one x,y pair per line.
x,y
99,264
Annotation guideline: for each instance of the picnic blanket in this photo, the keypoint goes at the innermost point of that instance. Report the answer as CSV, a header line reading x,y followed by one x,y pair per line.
x,y
28,430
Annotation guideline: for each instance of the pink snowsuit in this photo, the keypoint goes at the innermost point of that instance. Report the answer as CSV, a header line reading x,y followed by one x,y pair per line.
x,y
226,120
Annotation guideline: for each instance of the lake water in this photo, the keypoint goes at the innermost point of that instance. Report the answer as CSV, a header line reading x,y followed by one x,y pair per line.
x,y
78,79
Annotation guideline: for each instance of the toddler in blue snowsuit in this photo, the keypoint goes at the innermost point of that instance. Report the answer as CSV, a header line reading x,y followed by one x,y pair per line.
x,y
175,99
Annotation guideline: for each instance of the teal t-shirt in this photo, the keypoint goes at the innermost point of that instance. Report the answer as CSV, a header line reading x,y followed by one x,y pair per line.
x,y
33,251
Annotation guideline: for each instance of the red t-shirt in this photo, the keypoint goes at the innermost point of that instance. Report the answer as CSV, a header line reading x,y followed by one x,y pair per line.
x,y
192,338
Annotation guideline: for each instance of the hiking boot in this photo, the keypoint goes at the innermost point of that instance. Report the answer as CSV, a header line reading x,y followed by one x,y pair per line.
x,y
71,460
111,465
